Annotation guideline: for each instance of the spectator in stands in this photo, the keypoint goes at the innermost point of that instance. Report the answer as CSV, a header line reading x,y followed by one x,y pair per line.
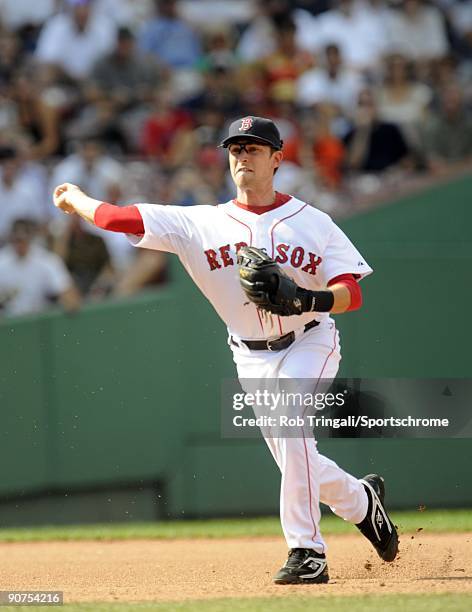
x,y
222,90
26,18
31,277
447,134
332,82
296,175
167,37
21,192
360,35
11,56
212,167
451,71
18,14
39,112
285,114
90,168
148,270
211,122
327,149
461,19
74,40
259,39
9,123
187,187
418,31
373,145
166,134
100,121
314,7
402,100
128,13
287,63
372,18
124,77
86,257
219,52
445,72
292,178
317,154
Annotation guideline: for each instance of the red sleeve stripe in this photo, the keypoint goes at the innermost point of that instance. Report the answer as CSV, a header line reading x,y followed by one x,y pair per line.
x,y
126,219
349,281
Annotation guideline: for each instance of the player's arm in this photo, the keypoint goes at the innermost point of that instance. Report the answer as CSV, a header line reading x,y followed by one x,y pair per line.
x,y
341,298
267,286
72,200
347,294
342,294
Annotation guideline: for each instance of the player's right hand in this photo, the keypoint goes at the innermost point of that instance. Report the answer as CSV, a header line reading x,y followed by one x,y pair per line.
x,y
64,196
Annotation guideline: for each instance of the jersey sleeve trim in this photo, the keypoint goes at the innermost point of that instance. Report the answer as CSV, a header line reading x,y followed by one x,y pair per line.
x,y
349,281
126,219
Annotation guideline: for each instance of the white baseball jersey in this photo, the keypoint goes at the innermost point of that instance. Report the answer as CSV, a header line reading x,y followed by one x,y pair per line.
x,y
306,243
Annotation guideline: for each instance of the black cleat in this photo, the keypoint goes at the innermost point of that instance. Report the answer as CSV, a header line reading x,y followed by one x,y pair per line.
x,y
303,566
377,526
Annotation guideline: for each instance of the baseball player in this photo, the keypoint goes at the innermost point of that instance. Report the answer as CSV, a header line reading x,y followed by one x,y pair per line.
x,y
275,269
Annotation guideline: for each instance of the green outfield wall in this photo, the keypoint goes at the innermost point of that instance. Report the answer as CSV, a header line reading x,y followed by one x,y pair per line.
x,y
113,413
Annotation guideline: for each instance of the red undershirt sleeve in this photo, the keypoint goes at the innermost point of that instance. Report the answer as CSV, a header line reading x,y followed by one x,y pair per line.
x,y
349,281
126,219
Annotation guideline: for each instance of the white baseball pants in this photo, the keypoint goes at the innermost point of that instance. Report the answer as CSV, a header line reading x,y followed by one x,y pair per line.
x,y
307,476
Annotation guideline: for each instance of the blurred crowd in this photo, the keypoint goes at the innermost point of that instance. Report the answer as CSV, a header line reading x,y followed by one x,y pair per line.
x,y
130,98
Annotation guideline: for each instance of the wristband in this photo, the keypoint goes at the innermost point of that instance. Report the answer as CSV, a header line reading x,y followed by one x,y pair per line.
x,y
316,301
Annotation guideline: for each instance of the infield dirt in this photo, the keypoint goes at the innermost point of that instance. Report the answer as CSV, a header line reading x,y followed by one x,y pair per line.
x,y
163,570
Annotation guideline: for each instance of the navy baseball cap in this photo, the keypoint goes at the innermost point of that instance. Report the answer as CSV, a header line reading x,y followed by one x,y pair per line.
x,y
259,129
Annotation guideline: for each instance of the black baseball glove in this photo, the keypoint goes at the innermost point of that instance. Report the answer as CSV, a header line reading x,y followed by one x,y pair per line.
x,y
267,285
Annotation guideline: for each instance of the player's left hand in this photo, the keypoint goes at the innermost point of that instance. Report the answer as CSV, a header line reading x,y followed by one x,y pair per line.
x,y
266,284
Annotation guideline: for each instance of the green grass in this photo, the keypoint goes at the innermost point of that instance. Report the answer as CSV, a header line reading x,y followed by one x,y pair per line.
x,y
363,603
436,521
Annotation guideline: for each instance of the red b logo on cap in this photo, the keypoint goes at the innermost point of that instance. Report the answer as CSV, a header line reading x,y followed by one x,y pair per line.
x,y
246,123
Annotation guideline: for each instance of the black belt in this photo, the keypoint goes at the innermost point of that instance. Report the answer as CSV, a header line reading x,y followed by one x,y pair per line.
x,y
277,344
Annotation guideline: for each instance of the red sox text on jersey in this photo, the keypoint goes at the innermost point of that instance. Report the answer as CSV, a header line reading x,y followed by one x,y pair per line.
x,y
283,253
